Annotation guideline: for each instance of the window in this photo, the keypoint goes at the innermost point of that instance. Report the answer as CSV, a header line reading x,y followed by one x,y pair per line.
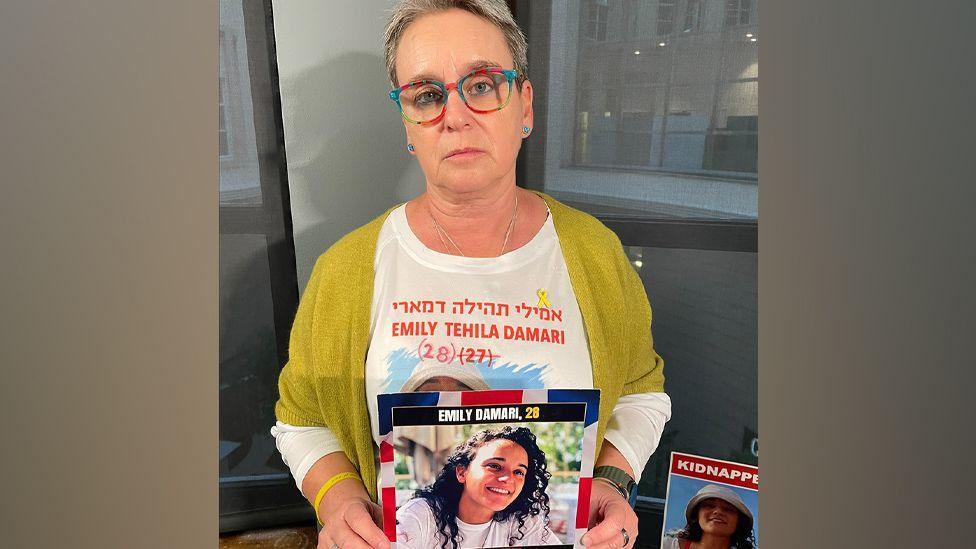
x,y
258,286
224,140
240,181
665,17
668,123
694,14
596,20
686,103
738,12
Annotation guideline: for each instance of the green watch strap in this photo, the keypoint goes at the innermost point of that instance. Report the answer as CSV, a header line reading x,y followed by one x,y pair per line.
x,y
624,482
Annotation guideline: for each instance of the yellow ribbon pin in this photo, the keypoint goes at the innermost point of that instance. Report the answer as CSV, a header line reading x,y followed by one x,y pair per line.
x,y
543,298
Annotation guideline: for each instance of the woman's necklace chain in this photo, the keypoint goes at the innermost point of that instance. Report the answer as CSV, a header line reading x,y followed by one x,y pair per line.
x,y
442,234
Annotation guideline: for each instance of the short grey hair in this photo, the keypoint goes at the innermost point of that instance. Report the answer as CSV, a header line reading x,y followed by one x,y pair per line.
x,y
495,12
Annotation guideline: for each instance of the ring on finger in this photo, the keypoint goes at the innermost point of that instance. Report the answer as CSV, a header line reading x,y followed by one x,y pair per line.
x,y
334,546
625,534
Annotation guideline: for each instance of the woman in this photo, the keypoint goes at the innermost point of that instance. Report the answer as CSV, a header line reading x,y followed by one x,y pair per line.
x,y
491,492
717,519
476,274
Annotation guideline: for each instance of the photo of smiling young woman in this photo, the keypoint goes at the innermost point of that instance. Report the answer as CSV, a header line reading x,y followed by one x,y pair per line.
x,y
490,492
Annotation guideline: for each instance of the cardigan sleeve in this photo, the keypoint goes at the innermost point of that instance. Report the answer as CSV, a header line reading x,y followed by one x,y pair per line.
x,y
298,401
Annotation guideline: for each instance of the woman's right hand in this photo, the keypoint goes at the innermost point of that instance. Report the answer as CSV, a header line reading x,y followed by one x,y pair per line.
x,y
352,523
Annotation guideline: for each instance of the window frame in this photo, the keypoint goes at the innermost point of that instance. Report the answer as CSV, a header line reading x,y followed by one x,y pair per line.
x,y
260,501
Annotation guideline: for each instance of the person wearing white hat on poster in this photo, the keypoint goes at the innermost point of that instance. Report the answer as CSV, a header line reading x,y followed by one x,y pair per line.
x,y
439,377
717,519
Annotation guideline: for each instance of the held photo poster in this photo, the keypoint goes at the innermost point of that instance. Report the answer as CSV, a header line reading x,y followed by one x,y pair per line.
x,y
521,460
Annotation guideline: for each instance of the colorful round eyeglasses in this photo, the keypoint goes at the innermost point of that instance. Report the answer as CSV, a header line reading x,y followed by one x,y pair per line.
x,y
482,90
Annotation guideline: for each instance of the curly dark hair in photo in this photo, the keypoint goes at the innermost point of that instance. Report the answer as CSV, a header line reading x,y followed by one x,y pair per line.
x,y
742,538
445,492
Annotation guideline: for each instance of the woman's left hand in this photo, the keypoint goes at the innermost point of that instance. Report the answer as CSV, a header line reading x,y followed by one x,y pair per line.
x,y
610,516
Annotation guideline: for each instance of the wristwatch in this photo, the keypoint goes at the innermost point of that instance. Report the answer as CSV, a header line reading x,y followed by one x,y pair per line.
x,y
618,477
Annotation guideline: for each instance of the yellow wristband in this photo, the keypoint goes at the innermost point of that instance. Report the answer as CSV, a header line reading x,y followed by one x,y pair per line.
x,y
336,479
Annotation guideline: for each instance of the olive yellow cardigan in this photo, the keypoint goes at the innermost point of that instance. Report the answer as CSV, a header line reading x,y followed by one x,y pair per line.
x,y
323,383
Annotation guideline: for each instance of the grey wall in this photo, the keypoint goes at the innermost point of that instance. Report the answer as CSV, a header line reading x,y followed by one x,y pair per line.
x,y
344,140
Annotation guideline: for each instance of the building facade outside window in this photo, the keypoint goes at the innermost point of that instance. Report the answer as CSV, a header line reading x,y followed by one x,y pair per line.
x,y
663,105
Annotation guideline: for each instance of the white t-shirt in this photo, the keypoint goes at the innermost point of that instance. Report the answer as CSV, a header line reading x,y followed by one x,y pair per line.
x,y
417,529
508,322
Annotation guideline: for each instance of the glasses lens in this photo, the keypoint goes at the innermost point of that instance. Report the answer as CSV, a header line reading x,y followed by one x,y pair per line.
x,y
486,92
422,102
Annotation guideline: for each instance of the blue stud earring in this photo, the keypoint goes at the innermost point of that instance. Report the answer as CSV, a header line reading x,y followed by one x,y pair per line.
x,y
410,147
526,130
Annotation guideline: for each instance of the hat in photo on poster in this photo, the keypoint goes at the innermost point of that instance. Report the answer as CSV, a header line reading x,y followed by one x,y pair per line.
x,y
464,374
722,493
